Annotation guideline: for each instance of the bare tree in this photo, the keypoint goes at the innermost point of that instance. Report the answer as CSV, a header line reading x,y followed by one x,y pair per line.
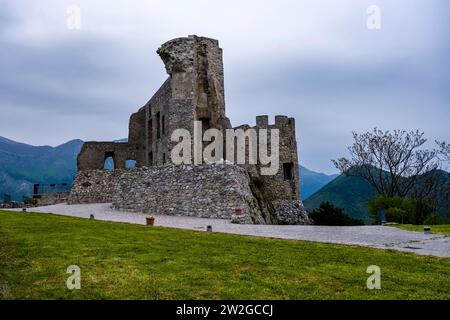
x,y
391,162
444,151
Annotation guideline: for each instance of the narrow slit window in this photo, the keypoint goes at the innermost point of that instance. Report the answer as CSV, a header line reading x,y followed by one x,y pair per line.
x,y
150,129
163,124
288,171
158,125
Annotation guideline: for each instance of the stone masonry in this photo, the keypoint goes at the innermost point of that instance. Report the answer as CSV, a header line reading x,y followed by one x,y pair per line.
x,y
204,191
194,91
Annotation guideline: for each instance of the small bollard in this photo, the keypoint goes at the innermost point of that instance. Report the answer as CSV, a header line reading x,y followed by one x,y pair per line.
x,y
209,229
426,230
91,216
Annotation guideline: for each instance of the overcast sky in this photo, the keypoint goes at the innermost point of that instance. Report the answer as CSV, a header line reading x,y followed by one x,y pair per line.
x,y
314,60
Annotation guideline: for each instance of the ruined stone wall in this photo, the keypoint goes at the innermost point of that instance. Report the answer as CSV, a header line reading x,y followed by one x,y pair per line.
x,y
207,191
278,186
158,126
137,136
93,155
48,199
197,86
290,212
193,91
95,186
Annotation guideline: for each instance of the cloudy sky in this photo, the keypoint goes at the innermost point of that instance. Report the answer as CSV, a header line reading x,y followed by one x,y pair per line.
x,y
314,60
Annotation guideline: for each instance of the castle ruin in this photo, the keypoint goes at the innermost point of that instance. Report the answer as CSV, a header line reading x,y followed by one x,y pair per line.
x,y
194,91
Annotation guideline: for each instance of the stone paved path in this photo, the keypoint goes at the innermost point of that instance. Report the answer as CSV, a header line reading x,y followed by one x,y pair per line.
x,y
372,236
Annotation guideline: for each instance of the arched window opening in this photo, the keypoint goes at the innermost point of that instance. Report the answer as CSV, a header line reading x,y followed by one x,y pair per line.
x,y
130,164
110,161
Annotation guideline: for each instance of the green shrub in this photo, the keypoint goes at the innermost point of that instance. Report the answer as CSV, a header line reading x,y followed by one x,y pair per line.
x,y
402,210
329,215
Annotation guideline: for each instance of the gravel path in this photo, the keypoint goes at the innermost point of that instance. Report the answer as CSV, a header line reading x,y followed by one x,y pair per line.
x,y
372,236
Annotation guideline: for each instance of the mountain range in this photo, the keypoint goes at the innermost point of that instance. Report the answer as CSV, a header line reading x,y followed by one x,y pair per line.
x,y
311,181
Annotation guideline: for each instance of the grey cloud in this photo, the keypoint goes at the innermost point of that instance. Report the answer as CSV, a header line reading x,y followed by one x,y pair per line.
x,y
60,85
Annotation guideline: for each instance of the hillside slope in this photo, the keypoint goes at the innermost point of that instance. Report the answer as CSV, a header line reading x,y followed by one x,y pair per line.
x,y
311,181
349,193
22,165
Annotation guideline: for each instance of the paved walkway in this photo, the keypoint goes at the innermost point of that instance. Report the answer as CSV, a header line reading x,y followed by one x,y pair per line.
x,y
372,236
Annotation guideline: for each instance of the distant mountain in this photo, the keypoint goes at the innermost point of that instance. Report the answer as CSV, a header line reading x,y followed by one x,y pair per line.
x,y
22,165
352,194
311,181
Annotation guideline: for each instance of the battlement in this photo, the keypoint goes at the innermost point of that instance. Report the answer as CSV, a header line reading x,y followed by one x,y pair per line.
x,y
281,122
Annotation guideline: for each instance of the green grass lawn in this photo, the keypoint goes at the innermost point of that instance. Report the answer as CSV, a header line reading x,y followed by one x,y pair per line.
x,y
124,261
438,229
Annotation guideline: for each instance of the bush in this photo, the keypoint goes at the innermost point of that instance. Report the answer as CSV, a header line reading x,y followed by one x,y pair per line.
x,y
329,215
402,210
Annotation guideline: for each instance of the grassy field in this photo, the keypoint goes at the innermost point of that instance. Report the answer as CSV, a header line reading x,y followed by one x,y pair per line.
x,y
123,261
438,229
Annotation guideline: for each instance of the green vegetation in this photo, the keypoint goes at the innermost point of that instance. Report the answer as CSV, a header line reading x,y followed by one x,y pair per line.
x,y
402,210
353,194
120,261
329,215
437,229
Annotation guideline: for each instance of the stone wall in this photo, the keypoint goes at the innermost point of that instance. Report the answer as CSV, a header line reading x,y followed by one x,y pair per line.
x,y
290,212
50,199
93,155
95,186
278,186
207,191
